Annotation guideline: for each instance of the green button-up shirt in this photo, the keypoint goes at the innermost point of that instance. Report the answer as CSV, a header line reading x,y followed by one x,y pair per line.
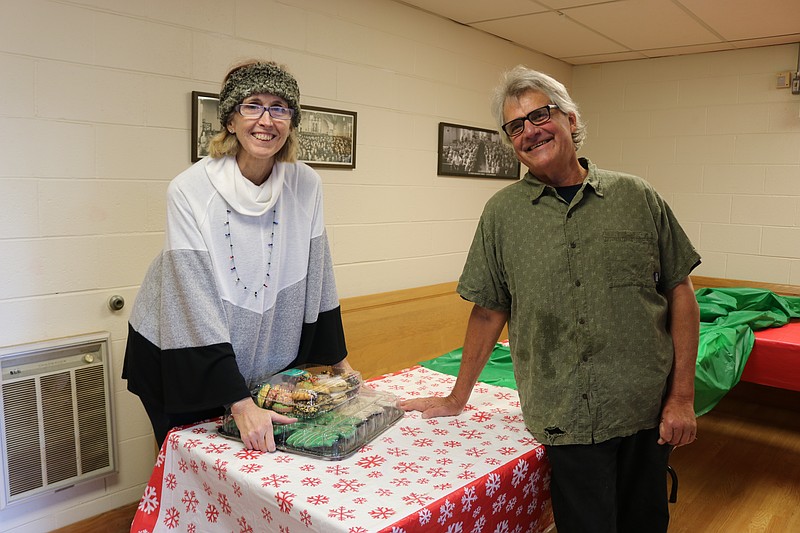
x,y
584,284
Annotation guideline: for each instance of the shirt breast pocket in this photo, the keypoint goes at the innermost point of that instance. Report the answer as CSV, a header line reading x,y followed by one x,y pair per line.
x,y
631,258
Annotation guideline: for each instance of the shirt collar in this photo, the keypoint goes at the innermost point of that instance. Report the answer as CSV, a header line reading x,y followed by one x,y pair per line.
x,y
592,181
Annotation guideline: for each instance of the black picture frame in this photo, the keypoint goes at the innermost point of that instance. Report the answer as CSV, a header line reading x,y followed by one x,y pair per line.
x,y
327,137
475,152
205,122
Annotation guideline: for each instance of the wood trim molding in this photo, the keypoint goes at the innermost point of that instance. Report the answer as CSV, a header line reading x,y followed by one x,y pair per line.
x,y
777,288
393,330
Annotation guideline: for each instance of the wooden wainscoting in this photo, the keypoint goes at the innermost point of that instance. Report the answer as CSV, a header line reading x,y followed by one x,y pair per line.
x,y
393,330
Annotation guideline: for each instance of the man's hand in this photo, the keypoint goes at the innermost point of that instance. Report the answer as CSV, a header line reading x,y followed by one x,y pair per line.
x,y
433,406
678,425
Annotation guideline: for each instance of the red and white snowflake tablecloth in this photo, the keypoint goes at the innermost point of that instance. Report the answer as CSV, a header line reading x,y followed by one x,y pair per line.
x,y
479,472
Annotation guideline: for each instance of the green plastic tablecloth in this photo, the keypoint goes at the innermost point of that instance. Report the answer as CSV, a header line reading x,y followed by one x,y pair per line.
x,y
728,318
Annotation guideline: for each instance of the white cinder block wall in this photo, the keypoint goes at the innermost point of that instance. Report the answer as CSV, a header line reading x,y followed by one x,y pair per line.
x,y
94,122
718,140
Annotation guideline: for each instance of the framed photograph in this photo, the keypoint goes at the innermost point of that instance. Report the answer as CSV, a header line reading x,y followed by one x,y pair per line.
x,y
327,137
205,123
468,151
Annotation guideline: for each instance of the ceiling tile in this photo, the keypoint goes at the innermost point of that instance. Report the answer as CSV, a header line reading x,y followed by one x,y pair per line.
x,y
748,19
644,24
551,34
469,11
577,31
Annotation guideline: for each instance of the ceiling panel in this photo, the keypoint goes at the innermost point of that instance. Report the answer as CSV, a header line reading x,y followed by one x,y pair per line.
x,y
552,34
644,24
748,19
469,11
596,31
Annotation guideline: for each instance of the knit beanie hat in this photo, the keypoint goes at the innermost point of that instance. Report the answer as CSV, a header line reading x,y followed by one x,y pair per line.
x,y
256,79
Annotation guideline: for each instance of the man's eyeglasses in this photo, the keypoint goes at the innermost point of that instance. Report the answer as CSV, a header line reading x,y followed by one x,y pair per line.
x,y
537,117
257,111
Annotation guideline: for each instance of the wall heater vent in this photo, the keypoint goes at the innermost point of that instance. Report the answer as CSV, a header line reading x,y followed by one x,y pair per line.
x,y
55,415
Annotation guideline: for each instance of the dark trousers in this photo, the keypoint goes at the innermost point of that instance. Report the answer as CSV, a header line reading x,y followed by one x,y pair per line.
x,y
617,486
163,422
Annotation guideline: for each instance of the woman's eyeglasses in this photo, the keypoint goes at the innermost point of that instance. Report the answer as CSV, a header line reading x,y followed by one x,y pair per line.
x,y
257,111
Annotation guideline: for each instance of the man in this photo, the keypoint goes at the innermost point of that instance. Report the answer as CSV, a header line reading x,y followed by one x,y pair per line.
x,y
591,271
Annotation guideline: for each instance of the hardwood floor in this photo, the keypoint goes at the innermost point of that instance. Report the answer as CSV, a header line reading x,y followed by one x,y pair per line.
x,y
741,476
114,521
743,472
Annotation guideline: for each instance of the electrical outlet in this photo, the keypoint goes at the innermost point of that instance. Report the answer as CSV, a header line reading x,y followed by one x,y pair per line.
x,y
783,79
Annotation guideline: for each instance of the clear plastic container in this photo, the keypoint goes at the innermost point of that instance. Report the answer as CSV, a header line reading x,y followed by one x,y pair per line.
x,y
335,434
307,392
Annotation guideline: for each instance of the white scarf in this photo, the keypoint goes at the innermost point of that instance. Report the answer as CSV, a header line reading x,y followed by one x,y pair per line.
x,y
243,195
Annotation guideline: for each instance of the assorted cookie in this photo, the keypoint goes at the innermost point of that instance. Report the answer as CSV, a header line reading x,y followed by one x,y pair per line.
x,y
336,415
306,393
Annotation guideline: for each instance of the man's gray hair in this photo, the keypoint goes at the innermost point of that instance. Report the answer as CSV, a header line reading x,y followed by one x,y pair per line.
x,y
521,79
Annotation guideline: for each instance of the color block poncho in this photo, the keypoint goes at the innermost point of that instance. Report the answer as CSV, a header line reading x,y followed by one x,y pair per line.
x,y
201,332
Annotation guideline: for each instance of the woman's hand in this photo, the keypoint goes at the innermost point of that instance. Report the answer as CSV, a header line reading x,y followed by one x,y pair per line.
x,y
255,424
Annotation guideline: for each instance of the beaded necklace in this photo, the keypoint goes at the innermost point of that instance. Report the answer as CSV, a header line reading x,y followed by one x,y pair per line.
x,y
237,279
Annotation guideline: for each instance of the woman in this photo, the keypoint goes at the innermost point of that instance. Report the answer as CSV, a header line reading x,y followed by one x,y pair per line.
x,y
244,287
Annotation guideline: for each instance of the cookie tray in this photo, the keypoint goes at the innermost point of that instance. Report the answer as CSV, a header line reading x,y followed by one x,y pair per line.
x,y
336,434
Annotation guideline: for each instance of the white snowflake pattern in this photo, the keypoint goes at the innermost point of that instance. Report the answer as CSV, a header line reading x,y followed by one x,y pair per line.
x,y
502,527
499,503
458,527
149,501
425,516
479,524
492,484
519,473
511,504
446,511
468,499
